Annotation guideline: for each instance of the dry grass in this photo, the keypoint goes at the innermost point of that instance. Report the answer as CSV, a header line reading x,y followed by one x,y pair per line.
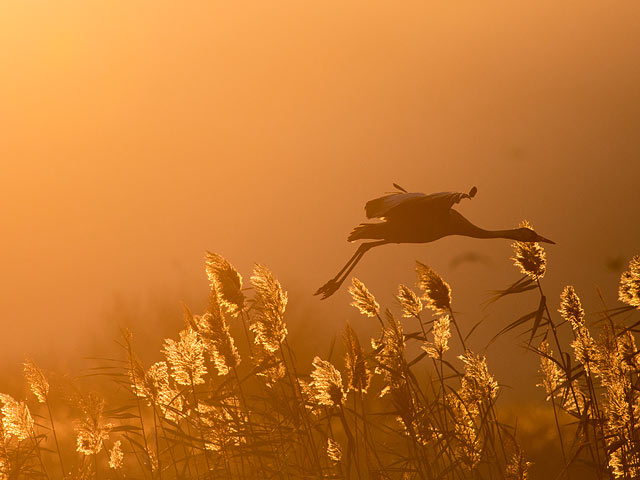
x,y
216,406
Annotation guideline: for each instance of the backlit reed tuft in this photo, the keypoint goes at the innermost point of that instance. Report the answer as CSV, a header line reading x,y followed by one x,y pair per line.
x,y
226,281
116,457
269,306
584,347
358,375
441,335
389,354
156,388
477,384
529,256
17,421
327,383
186,358
217,339
552,375
91,429
36,380
469,445
518,467
268,366
409,302
363,300
334,452
571,307
629,290
437,292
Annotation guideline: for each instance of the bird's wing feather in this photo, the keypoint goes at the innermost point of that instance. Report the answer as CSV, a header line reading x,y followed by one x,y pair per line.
x,y
403,203
380,207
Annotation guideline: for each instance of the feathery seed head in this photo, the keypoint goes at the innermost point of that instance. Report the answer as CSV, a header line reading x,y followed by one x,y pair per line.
x,y
584,347
334,452
441,335
116,456
629,291
628,350
358,375
552,375
409,302
529,256
363,300
269,305
518,467
437,292
217,340
268,366
91,430
36,380
186,358
226,281
389,354
327,383
16,418
159,391
477,383
469,449
571,308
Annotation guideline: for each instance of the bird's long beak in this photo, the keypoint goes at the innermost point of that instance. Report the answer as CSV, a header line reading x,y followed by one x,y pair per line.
x,y
545,240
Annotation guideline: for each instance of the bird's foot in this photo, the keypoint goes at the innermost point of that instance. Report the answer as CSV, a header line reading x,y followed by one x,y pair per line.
x,y
328,289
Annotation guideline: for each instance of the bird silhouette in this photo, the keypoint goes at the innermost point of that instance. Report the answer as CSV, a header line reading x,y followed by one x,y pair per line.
x,y
416,218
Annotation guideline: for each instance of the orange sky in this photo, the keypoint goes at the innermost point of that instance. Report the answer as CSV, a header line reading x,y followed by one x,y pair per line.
x,y
136,135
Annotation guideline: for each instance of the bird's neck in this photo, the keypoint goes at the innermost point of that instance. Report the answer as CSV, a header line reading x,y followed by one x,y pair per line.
x,y
462,226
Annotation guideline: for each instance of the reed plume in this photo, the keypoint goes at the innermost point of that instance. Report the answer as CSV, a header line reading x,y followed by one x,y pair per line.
x,y
571,307
268,366
363,300
389,354
226,281
530,256
629,290
269,305
334,452
17,421
216,338
437,292
116,457
37,381
358,375
156,387
552,375
518,467
186,358
441,334
477,384
327,383
91,429
409,301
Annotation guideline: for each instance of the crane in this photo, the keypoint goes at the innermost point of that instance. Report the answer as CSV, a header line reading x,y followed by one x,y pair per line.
x,y
416,218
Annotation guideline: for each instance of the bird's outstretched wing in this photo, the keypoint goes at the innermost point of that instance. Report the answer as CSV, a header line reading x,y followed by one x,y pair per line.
x,y
402,203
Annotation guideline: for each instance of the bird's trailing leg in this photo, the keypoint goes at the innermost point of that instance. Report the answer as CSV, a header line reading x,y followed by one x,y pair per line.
x,y
334,284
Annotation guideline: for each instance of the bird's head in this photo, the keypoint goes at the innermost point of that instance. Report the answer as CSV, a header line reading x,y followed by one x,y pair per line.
x,y
525,234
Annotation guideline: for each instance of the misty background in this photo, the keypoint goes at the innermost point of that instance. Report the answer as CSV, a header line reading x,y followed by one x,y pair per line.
x,y
134,136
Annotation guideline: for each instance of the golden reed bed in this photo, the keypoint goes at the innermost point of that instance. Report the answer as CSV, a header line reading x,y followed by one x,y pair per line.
x,y
222,407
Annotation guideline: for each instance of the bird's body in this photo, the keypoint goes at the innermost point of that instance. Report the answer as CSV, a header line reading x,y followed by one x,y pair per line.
x,y
417,218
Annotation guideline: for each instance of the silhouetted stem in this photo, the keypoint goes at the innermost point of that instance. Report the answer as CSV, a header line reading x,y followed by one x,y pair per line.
x,y
55,436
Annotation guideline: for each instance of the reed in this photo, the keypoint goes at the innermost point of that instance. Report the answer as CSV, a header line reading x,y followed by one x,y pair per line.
x,y
405,407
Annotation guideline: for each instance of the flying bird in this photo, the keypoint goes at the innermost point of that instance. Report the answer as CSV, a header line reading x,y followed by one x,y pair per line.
x,y
416,218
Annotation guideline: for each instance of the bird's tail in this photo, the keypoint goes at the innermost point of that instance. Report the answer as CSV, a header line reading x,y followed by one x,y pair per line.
x,y
367,230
